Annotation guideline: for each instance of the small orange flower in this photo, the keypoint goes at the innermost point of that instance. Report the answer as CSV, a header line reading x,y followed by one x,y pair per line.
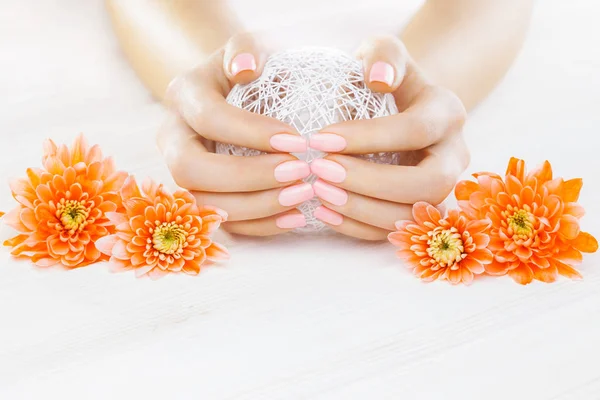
x,y
535,230
451,248
62,208
160,232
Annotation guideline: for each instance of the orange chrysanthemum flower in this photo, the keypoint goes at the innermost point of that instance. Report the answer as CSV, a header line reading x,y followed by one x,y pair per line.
x,y
451,248
160,232
62,208
535,230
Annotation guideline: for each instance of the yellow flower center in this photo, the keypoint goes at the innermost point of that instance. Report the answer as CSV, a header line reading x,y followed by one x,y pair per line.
x,y
445,246
73,214
169,238
521,223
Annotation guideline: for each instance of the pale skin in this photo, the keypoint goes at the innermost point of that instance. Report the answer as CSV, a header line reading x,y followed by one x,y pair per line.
x,y
449,58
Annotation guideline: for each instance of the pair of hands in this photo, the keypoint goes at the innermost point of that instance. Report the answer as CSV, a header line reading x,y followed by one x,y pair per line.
x,y
360,198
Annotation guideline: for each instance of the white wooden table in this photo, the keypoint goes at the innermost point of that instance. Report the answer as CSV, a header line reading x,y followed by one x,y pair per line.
x,y
292,317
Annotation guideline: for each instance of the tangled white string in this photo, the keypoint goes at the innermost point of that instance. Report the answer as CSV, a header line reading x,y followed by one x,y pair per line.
x,y
309,89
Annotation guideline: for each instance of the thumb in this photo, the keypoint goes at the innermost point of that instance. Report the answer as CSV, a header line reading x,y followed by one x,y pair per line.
x,y
384,63
243,59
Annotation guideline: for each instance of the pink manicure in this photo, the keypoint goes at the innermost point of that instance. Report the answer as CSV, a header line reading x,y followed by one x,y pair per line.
x,y
328,170
290,221
328,216
330,193
243,62
327,142
291,171
287,143
382,72
296,194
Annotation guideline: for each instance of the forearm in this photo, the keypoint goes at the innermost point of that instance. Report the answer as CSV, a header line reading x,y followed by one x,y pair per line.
x,y
468,45
163,38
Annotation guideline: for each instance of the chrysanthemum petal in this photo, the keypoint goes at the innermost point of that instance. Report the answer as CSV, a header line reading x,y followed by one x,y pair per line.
x,y
572,188
585,242
421,213
516,168
567,271
496,268
522,274
547,275
570,256
216,252
569,227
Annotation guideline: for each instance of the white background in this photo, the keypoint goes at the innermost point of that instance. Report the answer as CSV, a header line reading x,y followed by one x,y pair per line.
x,y
292,317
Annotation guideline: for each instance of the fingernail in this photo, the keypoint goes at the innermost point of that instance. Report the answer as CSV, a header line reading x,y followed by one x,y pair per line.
x,y
243,62
290,221
288,143
328,216
330,193
328,170
327,142
296,194
382,72
291,171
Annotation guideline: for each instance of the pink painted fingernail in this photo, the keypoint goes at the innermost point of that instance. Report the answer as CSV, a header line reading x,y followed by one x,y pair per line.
x,y
290,221
328,170
243,62
291,171
288,143
296,194
330,193
327,142
382,72
328,216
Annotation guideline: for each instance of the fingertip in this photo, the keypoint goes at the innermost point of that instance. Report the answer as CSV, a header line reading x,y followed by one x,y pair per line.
x,y
243,68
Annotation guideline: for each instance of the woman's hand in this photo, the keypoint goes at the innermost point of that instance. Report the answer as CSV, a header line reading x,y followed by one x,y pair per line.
x,y
364,199
259,193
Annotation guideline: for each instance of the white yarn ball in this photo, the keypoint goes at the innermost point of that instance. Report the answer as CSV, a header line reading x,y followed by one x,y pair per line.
x,y
310,89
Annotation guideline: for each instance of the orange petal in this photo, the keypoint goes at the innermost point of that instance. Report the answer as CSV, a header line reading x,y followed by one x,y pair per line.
x,y
585,242
496,268
543,173
46,262
13,219
79,149
522,274
516,168
464,189
567,271
420,212
216,252
473,265
483,256
569,227
210,223
570,256
17,240
574,209
466,276
572,188
106,244
547,275
130,189
143,270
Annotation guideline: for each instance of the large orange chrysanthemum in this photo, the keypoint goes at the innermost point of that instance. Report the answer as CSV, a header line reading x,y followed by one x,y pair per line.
x,y
535,230
160,232
451,248
62,208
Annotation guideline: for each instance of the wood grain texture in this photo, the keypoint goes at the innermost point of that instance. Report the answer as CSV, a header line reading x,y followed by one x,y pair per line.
x,y
292,317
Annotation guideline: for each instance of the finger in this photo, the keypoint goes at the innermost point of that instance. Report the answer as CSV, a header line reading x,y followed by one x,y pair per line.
x,y
434,114
199,97
369,210
193,167
348,226
431,180
385,60
243,59
255,205
274,225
